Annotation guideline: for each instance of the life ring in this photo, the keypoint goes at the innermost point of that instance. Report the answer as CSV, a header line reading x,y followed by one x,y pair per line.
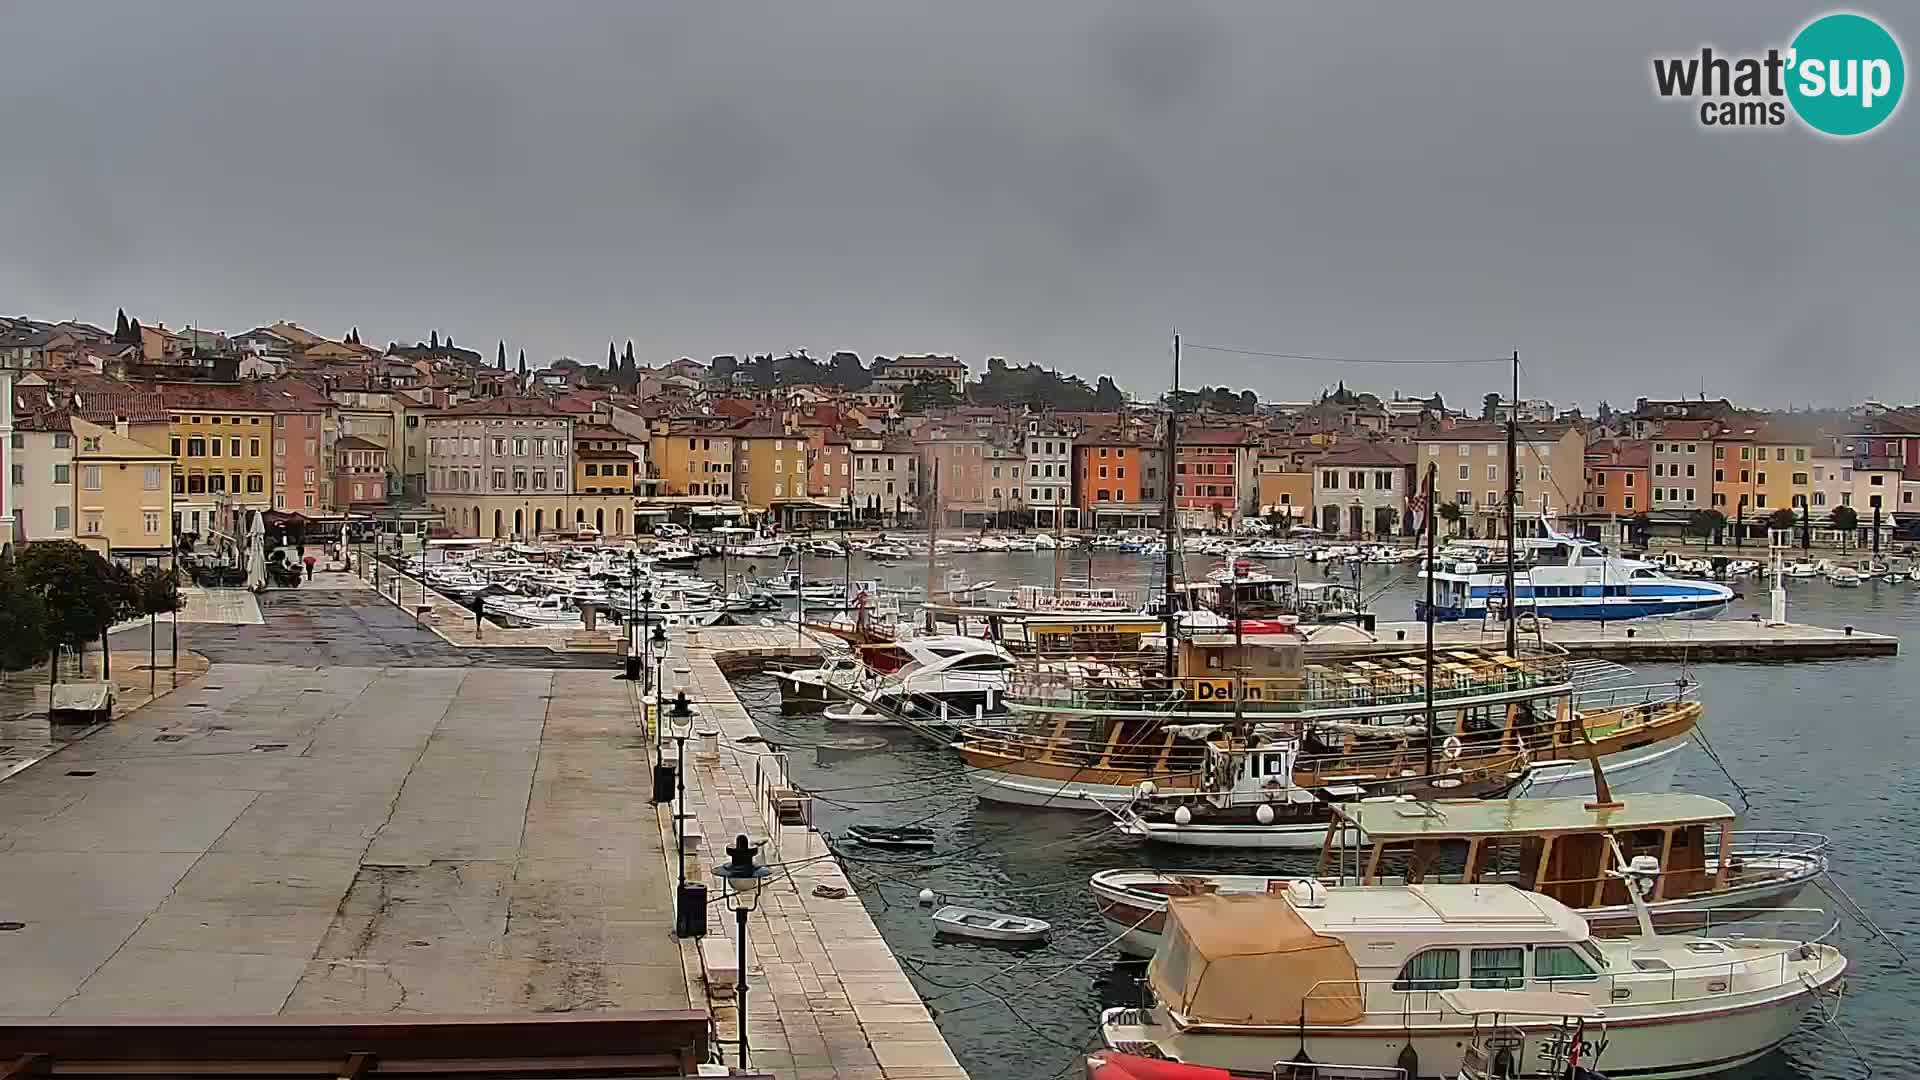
x,y
1451,748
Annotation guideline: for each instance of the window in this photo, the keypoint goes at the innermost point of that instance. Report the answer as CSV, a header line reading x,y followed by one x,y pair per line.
x,y
1629,479
1659,469
89,476
279,420
196,484
1561,962
1120,473
1801,478
1493,473
1464,449
62,518
1689,494
1434,969
153,522
1330,480
179,484
1760,478
233,447
1463,498
559,480
280,479
1799,453
256,483
1875,480
1493,498
1466,472
196,446
1746,453
63,474
1689,471
1779,453
1546,474
1498,969
1760,501
1103,472
253,447
1600,501
175,441
1846,499
1627,502
308,479
62,440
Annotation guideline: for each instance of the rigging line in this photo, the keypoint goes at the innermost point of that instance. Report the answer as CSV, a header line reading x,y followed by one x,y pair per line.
x,y
1700,737
1343,359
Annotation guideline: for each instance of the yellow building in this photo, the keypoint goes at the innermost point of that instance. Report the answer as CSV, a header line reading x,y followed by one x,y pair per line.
x,y
769,465
693,460
602,464
1760,468
123,495
221,442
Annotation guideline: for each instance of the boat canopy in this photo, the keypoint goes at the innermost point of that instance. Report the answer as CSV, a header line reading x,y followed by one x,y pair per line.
x,y
1251,959
1505,817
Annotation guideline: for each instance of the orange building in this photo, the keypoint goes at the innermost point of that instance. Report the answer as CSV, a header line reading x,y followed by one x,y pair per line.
x,y
1619,479
1110,479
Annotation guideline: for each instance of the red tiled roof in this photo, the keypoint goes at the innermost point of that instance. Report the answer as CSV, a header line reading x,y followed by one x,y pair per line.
x,y
1380,455
505,406
355,442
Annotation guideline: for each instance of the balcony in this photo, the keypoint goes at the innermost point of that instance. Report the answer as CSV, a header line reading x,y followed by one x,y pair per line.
x,y
1877,463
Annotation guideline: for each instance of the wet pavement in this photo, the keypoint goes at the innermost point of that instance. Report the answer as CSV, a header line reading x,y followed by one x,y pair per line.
x,y
340,627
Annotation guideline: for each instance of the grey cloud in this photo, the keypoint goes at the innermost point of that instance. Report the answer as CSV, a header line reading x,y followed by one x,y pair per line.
x,y
1058,183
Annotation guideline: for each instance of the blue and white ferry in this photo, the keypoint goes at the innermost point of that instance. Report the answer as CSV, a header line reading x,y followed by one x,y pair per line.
x,y
1561,577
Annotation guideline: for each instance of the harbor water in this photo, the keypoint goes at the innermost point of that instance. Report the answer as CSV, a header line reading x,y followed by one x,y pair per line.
x,y
1821,747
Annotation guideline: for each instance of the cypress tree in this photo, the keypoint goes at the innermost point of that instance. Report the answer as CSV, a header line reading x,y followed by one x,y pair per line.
x,y
433,340
501,360
120,326
523,363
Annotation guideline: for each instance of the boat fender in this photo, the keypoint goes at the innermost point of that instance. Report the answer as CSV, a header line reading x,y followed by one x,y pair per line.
x,y
1503,1064
1452,747
1408,1061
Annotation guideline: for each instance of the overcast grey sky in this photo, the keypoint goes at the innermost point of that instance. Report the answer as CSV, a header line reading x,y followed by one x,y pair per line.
x,y
1057,182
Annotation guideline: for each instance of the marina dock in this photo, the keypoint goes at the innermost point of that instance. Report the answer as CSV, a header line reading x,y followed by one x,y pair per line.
x,y
1656,640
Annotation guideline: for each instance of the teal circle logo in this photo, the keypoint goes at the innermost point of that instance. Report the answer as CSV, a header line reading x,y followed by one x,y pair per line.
x,y
1846,74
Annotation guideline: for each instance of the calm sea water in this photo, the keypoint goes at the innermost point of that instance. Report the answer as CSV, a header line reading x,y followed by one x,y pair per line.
x,y
1822,747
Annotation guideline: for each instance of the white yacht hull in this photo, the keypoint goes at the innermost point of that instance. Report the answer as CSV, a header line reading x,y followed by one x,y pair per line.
x,y
1303,837
1015,789
1702,1037
1645,770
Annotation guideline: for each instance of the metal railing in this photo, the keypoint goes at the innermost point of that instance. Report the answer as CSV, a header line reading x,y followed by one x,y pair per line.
x,y
1069,688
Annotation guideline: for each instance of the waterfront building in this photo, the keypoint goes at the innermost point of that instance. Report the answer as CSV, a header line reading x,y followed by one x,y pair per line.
x,y
40,474
1362,491
122,494
1681,466
1472,473
220,437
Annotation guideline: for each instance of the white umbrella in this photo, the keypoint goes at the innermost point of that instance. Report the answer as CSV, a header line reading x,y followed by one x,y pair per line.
x,y
256,551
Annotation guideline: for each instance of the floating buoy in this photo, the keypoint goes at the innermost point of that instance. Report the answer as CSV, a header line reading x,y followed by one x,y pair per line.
x,y
1145,788
1182,816
1263,814
926,896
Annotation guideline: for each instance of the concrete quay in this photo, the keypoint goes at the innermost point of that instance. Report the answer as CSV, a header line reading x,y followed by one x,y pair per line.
x,y
347,816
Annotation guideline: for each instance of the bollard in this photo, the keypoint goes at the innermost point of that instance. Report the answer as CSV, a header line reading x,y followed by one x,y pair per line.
x,y
690,910
1849,630
1400,635
1630,631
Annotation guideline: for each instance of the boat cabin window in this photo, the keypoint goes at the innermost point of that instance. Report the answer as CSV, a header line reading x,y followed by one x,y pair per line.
x,y
983,662
1421,861
1558,962
1499,969
1434,969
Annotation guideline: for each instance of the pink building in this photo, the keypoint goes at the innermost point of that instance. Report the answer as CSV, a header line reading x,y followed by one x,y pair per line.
x,y
300,479
359,471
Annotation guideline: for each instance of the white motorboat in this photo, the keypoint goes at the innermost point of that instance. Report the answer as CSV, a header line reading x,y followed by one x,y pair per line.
x,y
1361,975
989,925
1801,570
1566,578
1844,577
824,549
675,554
552,612
758,549
944,681
885,552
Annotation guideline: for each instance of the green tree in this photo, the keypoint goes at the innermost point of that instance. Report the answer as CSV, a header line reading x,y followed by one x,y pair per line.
x,y
120,326
1782,518
433,340
1490,407
83,594
156,591
523,363
1706,524
1846,519
500,357
929,393
23,621
1451,513
1107,396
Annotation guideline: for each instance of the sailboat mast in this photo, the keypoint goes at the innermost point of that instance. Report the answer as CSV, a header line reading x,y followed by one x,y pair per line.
x,y
1167,509
1433,470
933,534
1513,495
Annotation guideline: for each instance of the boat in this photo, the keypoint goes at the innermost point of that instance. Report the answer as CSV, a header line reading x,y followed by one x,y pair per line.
x,y
940,682
1564,578
1844,577
1094,732
758,549
555,612
989,925
674,553
1362,975
824,549
1709,871
892,837
1261,795
887,552
1266,603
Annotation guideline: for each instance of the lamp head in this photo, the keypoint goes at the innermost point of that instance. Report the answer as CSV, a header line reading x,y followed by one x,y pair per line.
x,y
743,874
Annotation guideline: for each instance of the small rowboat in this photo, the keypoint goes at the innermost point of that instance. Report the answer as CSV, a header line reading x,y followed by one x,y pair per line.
x,y
989,925
898,838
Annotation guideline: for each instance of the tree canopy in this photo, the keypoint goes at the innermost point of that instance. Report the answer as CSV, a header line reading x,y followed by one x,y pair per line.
x,y
930,392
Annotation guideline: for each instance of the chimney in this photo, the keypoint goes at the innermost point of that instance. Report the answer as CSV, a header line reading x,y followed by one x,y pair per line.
x,y
120,426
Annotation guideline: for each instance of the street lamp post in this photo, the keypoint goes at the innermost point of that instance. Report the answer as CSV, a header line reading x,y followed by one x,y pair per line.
x,y
743,874
690,898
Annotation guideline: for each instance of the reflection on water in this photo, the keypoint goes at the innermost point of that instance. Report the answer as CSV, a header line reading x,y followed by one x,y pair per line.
x,y
1820,747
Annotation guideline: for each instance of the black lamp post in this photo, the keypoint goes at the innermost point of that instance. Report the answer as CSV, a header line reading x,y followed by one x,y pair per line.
x,y
743,876
690,898
480,609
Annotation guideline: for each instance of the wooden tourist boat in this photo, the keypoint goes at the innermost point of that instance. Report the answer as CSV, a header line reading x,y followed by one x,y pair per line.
x,y
1090,733
1709,873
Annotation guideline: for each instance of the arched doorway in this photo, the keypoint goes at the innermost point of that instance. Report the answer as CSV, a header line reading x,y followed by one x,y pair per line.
x,y
580,517
519,521
600,520
539,522
496,524
1385,521
1330,520
1356,520
619,520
